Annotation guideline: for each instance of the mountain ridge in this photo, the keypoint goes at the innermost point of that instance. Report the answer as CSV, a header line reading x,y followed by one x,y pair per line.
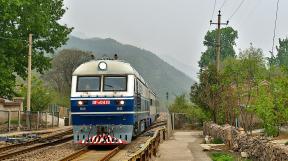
x,y
152,68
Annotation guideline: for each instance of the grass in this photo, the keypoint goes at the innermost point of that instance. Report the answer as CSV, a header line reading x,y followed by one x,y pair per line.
x,y
222,156
219,156
13,122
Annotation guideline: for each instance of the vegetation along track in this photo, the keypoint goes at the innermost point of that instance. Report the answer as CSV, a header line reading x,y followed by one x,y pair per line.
x,y
19,149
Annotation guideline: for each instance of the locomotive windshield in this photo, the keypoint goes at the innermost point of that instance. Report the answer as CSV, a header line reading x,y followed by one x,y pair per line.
x,y
86,84
115,83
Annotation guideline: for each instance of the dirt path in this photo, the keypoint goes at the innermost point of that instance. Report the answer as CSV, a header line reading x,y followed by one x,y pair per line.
x,y
183,146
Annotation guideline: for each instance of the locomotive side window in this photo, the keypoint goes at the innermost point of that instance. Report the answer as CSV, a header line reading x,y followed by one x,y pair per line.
x,y
88,84
115,83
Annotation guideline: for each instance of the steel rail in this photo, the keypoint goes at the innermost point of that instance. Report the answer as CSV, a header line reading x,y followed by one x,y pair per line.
x,y
5,148
75,155
29,149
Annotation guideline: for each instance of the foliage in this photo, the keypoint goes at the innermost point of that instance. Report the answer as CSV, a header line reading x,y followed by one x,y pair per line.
x,y
271,103
281,58
63,65
218,156
18,19
41,96
217,141
182,105
227,39
244,88
207,93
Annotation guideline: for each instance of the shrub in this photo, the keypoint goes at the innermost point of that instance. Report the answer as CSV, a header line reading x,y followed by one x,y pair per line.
x,y
218,156
217,141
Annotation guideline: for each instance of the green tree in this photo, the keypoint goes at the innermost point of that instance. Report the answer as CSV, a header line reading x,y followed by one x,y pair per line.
x,y
206,93
41,95
227,38
63,65
182,105
282,53
271,103
18,19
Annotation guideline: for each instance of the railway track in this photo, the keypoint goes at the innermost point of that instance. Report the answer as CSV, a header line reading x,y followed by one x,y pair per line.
x,y
39,140
19,149
108,154
96,155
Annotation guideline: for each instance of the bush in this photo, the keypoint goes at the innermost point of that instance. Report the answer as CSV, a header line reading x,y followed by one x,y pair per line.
x,y
221,157
217,141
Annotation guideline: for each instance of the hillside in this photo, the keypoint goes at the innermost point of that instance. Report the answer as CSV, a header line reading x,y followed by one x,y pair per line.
x,y
161,76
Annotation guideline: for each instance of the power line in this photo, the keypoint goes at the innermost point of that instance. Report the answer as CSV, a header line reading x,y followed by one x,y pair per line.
x,y
239,6
214,6
275,27
223,4
215,2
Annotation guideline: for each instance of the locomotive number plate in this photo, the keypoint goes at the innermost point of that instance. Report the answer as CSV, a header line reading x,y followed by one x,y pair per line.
x,y
101,102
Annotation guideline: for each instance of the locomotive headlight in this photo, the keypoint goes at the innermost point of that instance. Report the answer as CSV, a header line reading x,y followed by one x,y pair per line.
x,y
80,103
102,66
120,102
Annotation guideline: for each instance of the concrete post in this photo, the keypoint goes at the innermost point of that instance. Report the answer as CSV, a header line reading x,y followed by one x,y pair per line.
x,y
28,119
19,121
70,117
37,124
173,121
52,119
58,119
46,119
9,121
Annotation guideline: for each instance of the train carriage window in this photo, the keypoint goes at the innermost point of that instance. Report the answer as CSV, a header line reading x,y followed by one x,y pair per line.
x,y
88,83
115,83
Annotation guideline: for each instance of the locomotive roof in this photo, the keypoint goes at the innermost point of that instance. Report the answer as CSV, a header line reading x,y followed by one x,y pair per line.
x,y
114,67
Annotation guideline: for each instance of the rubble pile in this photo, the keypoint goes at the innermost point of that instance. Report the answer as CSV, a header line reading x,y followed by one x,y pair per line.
x,y
254,147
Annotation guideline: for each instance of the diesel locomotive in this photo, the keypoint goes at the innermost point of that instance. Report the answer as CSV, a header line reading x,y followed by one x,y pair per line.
x,y
110,103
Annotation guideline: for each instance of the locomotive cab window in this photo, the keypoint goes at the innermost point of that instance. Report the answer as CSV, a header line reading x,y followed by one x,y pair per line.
x,y
88,84
115,83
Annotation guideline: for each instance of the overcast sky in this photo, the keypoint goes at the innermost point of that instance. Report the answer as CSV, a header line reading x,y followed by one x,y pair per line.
x,y
175,28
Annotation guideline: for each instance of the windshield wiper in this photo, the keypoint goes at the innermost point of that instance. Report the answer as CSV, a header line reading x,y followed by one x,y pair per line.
x,y
108,85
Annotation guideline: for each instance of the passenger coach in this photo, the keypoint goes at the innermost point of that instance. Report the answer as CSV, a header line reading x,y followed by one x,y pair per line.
x,y
110,103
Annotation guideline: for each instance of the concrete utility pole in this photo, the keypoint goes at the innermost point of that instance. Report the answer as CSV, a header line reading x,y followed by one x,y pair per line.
x,y
218,43
29,75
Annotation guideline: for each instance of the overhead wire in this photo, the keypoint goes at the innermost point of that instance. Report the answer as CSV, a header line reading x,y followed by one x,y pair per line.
x,y
223,4
236,10
275,27
214,7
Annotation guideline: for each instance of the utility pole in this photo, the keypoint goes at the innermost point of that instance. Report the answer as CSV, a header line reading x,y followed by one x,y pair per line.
x,y
29,75
29,82
218,43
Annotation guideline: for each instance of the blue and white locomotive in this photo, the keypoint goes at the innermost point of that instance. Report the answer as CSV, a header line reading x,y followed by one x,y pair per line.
x,y
110,103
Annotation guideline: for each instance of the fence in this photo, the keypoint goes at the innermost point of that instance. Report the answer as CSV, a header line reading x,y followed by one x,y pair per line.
x,y
23,120
184,121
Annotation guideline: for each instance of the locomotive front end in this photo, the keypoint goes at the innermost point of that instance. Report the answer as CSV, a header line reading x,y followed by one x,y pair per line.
x,y
102,103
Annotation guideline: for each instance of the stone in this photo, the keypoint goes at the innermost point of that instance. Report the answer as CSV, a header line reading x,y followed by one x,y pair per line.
x,y
207,139
244,155
205,147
